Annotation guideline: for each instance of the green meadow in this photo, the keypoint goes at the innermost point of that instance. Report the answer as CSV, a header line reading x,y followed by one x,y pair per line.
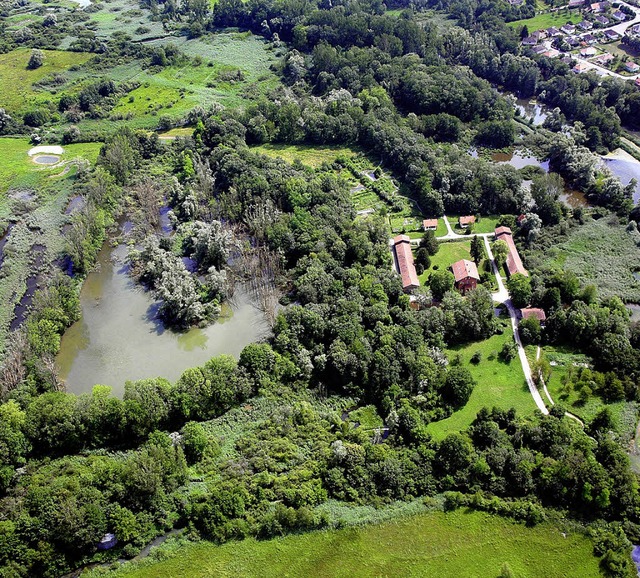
x,y
462,543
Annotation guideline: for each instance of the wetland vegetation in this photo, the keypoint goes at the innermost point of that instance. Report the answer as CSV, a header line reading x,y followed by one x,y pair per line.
x,y
201,252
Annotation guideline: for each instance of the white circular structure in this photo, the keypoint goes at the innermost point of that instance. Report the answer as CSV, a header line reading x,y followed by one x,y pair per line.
x,y
46,149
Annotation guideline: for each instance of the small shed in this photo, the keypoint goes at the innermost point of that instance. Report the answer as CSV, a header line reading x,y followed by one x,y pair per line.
x,y
430,224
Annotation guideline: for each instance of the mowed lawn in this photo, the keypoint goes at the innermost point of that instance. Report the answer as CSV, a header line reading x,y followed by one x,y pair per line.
x,y
460,544
447,254
486,224
547,20
498,384
16,87
312,156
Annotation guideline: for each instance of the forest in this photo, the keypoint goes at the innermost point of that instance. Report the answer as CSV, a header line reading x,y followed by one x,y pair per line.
x,y
338,404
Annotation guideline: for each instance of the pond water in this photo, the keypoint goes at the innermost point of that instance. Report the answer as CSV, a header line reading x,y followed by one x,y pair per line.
x,y
46,160
530,109
119,336
625,167
519,160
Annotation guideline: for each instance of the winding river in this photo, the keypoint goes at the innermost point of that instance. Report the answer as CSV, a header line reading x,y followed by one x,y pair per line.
x,y
120,337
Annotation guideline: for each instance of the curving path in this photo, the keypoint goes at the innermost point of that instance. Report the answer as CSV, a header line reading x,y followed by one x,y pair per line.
x,y
502,296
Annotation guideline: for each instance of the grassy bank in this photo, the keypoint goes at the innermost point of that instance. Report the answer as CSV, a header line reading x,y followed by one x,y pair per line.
x,y
460,543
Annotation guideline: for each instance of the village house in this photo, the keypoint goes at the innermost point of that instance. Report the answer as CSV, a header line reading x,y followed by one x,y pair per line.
x,y
553,32
600,7
576,3
404,263
588,52
568,29
611,35
572,41
465,274
513,263
619,16
589,39
430,224
580,67
527,313
585,25
631,67
604,59
551,53
602,20
540,49
464,222
530,40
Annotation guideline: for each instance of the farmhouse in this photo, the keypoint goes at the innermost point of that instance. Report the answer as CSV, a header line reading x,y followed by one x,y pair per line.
x,y
430,224
404,263
526,313
465,275
464,222
514,263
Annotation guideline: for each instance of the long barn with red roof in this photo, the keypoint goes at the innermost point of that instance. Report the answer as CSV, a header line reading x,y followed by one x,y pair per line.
x,y
514,263
404,262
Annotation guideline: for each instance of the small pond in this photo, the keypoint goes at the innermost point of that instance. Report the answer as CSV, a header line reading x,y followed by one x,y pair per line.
x,y
519,160
531,110
120,337
625,167
46,160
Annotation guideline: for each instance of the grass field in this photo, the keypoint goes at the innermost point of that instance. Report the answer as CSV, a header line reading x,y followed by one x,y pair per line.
x,y
312,156
547,20
604,253
499,384
16,89
461,544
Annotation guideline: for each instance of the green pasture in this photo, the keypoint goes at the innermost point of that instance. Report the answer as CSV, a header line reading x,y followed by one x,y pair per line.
x,y
312,156
16,88
461,543
500,384
547,20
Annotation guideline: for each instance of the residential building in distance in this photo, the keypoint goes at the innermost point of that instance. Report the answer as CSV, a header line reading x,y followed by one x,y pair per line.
x,y
404,263
580,67
465,274
611,35
602,20
513,263
631,67
619,16
568,29
585,25
589,39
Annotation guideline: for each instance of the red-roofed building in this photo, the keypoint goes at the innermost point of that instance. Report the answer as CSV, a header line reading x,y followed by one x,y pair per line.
x,y
514,263
464,222
404,263
465,275
430,224
533,312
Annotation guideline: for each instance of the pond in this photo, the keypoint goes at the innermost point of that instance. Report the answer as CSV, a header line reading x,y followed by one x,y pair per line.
x,y
519,160
625,167
120,337
531,110
46,160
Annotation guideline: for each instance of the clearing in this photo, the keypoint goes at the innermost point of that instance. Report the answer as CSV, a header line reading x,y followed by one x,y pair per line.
x,y
500,384
460,543
547,20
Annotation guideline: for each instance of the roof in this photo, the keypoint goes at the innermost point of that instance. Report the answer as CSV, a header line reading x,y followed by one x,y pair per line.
x,y
514,263
467,220
404,257
533,312
463,269
427,223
